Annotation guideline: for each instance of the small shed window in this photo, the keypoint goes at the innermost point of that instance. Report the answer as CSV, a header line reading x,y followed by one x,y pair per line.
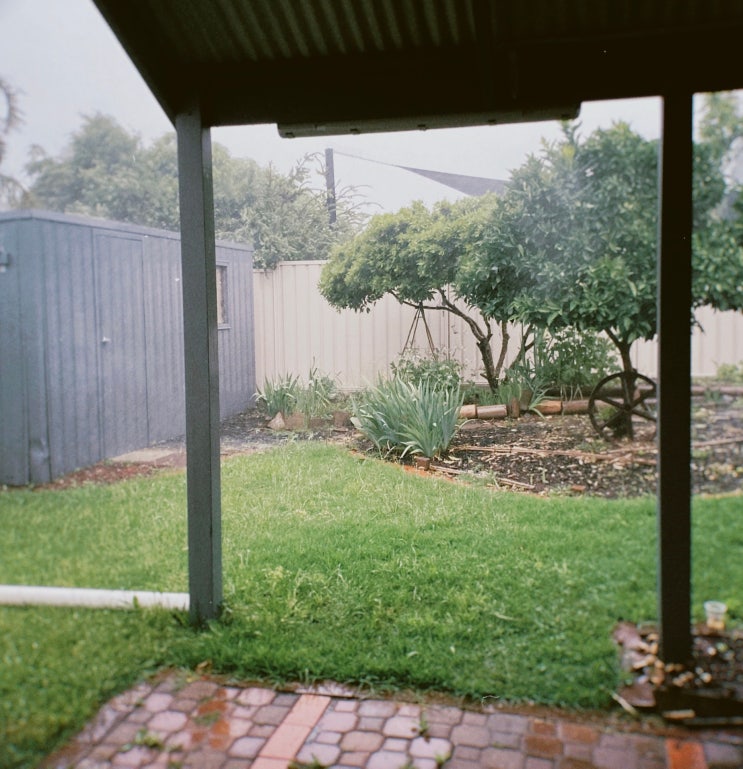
x,y
222,319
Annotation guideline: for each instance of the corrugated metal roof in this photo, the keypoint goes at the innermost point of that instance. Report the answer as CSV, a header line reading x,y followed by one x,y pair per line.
x,y
360,64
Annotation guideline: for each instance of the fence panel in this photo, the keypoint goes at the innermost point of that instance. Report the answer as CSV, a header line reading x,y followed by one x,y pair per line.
x,y
297,329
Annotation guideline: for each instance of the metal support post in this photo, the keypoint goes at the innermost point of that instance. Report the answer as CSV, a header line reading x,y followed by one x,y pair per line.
x,y
674,379
198,252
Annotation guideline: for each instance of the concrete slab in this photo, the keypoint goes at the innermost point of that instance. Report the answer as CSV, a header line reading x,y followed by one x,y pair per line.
x,y
147,456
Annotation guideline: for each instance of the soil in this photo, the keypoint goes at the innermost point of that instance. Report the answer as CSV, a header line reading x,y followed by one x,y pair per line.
x,y
564,454
534,454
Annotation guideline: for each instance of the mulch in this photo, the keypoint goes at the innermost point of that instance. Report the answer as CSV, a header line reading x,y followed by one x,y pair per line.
x,y
706,691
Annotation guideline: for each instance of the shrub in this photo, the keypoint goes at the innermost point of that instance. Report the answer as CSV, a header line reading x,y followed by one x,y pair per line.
x,y
730,373
397,415
436,369
289,394
484,396
567,360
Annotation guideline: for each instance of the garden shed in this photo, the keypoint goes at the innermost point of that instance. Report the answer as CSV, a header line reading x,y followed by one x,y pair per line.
x,y
91,340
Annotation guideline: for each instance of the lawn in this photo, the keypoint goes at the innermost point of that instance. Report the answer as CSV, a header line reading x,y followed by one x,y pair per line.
x,y
340,567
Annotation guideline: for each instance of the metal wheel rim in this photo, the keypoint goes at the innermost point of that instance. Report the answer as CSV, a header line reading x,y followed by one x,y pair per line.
x,y
634,390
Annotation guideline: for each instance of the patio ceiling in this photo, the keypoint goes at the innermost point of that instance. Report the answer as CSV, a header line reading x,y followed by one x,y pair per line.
x,y
315,66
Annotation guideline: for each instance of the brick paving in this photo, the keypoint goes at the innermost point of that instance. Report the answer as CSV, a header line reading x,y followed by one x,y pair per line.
x,y
180,722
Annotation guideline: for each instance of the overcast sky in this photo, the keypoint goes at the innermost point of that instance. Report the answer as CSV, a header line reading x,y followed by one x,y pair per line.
x,y
66,63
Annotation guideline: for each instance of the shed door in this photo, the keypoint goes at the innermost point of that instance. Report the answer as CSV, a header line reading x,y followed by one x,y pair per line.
x,y
121,327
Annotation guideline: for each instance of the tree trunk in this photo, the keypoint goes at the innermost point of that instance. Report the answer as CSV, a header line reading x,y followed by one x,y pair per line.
x,y
482,339
486,353
505,339
625,426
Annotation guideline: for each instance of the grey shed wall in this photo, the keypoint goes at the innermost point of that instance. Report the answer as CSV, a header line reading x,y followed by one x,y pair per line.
x,y
91,341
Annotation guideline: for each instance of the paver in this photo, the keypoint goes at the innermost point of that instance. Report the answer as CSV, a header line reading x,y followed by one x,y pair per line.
x,y
202,725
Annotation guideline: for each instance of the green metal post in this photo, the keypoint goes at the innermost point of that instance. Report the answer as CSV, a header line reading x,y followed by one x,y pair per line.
x,y
198,259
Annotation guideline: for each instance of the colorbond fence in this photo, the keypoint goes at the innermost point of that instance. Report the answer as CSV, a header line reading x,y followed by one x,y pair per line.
x,y
296,329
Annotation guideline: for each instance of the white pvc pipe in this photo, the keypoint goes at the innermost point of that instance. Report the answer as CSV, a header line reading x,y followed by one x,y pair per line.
x,y
27,595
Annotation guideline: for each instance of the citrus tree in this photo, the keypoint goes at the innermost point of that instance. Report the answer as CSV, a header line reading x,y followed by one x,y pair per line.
x,y
587,222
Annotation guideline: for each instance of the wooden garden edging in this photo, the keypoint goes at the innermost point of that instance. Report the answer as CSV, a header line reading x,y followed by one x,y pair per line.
x,y
513,409
557,406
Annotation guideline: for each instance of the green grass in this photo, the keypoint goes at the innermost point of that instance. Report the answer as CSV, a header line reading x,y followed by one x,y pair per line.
x,y
339,567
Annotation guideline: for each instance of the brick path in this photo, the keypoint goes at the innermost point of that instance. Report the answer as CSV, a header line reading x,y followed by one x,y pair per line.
x,y
195,723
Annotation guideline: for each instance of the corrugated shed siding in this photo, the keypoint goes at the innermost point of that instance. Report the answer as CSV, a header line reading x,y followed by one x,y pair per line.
x,y
69,346
122,343
237,382
164,321
91,337
30,263
13,394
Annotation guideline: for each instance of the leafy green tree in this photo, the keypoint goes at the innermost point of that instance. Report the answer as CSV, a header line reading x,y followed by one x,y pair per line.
x,y
718,280
587,223
12,192
287,219
720,123
587,216
427,259
107,172
572,244
100,174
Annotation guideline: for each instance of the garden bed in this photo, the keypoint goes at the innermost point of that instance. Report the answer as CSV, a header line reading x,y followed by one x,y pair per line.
x,y
564,454
550,454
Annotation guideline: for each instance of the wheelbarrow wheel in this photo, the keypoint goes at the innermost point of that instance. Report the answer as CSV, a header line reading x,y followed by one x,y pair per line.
x,y
623,405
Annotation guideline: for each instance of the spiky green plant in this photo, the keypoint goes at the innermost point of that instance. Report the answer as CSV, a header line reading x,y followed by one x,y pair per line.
x,y
279,396
410,418
315,398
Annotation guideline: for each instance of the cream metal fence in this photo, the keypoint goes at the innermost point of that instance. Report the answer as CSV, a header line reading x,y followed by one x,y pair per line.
x,y
297,329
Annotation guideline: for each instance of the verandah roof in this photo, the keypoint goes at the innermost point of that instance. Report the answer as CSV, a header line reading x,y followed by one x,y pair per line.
x,y
342,65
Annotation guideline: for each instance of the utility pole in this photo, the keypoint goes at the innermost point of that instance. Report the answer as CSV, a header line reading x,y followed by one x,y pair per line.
x,y
330,185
